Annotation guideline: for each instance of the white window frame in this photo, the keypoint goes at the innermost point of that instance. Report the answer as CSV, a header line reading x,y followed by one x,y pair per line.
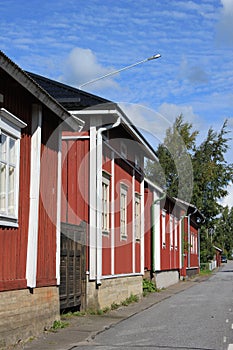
x,y
137,216
137,161
123,210
10,126
171,221
105,203
163,223
123,150
176,233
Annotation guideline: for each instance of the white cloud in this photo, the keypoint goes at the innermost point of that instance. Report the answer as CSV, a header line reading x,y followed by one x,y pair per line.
x,y
151,124
171,111
228,200
225,24
82,66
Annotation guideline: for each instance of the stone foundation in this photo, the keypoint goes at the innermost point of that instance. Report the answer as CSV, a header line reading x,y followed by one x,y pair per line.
x,y
165,279
24,314
114,290
192,271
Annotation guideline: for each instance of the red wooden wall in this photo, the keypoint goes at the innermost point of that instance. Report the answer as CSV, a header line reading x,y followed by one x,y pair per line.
x,y
13,241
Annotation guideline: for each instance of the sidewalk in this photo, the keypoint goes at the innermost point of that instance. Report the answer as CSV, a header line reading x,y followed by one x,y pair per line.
x,y
82,329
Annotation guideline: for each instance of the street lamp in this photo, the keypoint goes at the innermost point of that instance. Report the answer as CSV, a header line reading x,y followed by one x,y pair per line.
x,y
120,70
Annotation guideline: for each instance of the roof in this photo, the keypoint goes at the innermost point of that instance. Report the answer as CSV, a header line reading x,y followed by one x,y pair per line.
x,y
111,110
25,80
191,209
77,100
218,249
70,97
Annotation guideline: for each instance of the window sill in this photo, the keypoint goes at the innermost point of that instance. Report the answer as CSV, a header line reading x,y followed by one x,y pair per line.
x,y
105,233
123,237
9,222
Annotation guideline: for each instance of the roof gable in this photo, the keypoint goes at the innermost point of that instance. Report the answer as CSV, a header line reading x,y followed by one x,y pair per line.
x,y
69,97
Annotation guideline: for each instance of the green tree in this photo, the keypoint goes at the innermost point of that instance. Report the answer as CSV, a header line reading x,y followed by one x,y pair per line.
x,y
212,174
183,167
223,231
174,170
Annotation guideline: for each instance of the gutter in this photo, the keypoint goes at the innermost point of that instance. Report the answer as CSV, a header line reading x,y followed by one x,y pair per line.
x,y
99,154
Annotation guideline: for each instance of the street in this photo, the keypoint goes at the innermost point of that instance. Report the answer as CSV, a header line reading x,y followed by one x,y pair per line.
x,y
200,317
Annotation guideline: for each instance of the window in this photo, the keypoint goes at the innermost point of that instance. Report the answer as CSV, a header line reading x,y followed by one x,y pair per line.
x,y
123,211
193,243
163,228
176,233
137,161
137,213
171,231
123,150
105,202
10,132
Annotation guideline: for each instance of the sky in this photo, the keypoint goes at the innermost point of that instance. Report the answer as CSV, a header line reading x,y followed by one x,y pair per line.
x,y
75,41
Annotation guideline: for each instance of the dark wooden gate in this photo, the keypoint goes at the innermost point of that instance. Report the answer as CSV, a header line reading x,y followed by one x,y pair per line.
x,y
73,266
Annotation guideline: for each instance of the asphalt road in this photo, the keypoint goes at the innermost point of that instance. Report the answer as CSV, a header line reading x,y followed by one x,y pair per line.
x,y
199,318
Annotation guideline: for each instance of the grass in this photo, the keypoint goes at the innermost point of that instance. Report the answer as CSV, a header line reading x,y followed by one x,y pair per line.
x,y
149,286
57,324
205,272
132,299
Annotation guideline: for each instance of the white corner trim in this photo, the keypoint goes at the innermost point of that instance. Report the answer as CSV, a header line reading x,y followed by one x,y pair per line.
x,y
31,264
142,185
157,232
113,214
92,206
58,226
133,223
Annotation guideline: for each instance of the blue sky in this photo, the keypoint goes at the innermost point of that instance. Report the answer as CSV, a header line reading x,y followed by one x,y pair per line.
x,y
75,41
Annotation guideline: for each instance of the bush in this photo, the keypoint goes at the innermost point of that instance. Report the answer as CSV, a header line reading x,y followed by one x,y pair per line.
x,y
148,287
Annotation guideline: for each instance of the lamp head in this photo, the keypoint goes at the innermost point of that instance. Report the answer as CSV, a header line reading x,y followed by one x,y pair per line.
x,y
154,57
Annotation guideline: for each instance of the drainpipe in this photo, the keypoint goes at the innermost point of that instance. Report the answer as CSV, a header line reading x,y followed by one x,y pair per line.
x,y
99,154
153,229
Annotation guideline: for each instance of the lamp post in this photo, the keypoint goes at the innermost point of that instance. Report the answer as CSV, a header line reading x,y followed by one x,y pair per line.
x,y
120,70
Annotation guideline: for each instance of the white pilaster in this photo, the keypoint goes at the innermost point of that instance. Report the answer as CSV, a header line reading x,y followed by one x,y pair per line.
x,y
31,264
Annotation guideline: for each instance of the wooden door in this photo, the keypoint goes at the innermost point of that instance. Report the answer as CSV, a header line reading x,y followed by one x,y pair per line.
x,y
73,269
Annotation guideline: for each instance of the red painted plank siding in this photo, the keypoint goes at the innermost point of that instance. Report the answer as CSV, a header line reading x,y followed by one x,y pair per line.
x,y
123,247
148,232
13,241
75,181
46,259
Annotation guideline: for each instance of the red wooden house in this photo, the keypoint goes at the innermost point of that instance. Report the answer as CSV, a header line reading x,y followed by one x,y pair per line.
x,y
30,155
163,239
102,202
191,221
106,170
171,237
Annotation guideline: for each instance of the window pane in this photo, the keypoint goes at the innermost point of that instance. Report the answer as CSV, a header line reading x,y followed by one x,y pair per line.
x,y
11,190
3,140
2,187
12,150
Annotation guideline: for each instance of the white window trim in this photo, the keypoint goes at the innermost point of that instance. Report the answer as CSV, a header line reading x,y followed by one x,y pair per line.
x,y
106,177
137,161
138,221
124,192
171,231
123,150
176,233
163,228
11,126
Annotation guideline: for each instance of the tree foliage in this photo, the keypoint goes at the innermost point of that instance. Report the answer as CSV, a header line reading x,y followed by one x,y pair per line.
x,y
198,174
